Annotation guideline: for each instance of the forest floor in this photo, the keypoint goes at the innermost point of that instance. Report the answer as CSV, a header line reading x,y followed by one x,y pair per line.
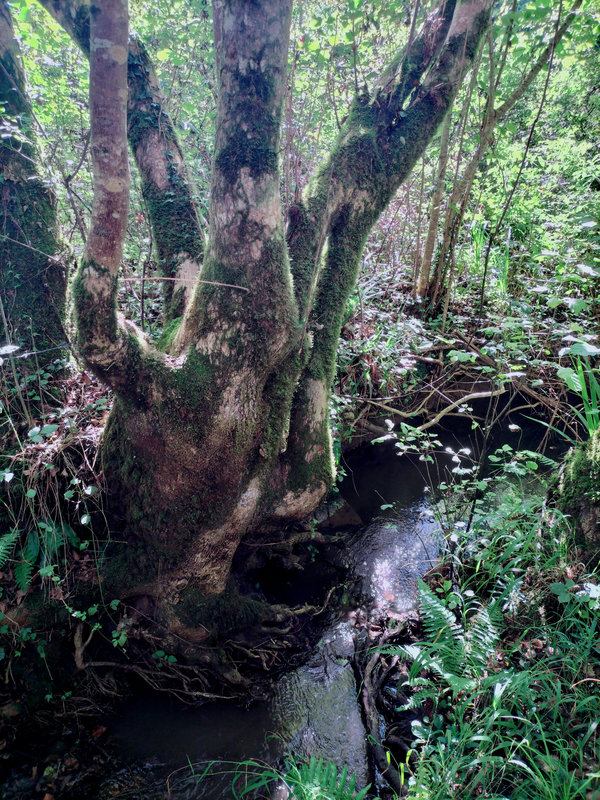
x,y
404,386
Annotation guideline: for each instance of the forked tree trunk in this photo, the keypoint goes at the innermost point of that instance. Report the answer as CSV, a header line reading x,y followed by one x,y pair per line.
x,y
32,274
231,427
166,186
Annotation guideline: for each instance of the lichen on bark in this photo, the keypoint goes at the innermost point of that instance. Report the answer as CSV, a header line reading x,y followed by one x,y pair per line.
x,y
32,270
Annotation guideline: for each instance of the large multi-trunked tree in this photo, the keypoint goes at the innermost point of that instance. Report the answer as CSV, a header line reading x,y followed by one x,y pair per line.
x,y
227,427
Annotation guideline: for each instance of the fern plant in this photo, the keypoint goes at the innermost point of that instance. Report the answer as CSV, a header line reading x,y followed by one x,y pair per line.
x,y
455,653
317,780
7,545
39,548
312,780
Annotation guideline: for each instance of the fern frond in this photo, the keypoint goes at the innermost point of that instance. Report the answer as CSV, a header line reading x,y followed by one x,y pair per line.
x,y
32,547
438,621
7,545
23,572
481,639
320,780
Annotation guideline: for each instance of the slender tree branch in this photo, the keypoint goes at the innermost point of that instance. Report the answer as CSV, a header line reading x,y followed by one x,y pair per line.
x,y
494,233
541,61
166,185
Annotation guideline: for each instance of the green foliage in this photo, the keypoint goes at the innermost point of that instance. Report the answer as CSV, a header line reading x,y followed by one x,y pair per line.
x,y
581,379
510,652
23,574
305,780
317,780
7,545
456,652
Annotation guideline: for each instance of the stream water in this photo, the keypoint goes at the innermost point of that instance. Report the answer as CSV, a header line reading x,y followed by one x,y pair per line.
x,y
313,708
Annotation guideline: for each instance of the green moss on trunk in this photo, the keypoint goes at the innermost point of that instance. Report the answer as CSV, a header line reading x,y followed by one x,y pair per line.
x,y
32,277
578,495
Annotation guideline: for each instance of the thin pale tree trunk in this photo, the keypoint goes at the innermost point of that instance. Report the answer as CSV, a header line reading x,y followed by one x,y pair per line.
x,y
166,185
434,214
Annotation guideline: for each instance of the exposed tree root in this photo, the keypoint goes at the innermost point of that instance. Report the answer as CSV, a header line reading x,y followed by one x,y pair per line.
x,y
372,681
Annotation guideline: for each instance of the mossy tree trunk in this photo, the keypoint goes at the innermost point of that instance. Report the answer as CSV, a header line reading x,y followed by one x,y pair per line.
x,y
231,426
385,133
166,185
32,274
578,495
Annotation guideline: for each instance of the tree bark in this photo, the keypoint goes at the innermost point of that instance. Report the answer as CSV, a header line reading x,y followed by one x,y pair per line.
x,y
32,273
166,186
101,337
192,440
383,137
232,426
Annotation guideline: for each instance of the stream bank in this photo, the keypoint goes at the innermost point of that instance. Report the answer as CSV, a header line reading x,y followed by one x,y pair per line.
x,y
314,706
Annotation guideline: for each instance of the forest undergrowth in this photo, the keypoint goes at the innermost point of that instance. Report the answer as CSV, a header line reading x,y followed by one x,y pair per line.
x,y
492,692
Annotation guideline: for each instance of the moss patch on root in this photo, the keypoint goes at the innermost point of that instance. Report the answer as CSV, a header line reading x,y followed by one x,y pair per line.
x,y
578,495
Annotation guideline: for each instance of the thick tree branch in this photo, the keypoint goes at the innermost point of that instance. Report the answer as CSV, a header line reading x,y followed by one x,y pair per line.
x,y
381,139
103,342
377,147
246,237
109,42
166,185
404,74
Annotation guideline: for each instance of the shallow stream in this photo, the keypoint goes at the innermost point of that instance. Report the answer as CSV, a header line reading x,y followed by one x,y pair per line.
x,y
313,708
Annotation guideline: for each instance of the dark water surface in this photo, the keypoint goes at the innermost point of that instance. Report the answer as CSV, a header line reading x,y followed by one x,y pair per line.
x,y
161,731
